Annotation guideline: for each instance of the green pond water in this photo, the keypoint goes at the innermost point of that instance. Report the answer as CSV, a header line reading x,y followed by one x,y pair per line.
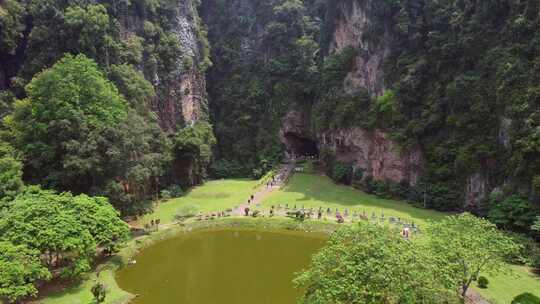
x,y
221,266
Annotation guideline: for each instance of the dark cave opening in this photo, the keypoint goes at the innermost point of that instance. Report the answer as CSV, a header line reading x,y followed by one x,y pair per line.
x,y
300,146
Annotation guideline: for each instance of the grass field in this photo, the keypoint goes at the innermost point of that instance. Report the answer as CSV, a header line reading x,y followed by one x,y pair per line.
x,y
314,191
504,287
212,196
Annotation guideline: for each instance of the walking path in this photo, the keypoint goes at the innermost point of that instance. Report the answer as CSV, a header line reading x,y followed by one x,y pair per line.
x,y
266,190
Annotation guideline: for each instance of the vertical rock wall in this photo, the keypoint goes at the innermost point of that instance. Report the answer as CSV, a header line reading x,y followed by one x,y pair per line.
x,y
352,24
181,94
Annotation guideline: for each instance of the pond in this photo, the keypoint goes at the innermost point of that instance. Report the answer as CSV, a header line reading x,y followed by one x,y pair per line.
x,y
221,266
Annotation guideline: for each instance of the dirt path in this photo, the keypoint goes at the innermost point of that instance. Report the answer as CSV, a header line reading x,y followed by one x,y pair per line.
x,y
266,190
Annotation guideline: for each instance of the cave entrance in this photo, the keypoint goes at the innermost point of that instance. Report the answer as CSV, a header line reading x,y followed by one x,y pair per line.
x,y
300,146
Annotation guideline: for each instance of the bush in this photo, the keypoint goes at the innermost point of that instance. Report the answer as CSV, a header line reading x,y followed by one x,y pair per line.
x,y
227,169
358,174
99,291
257,173
165,194
529,251
175,191
483,282
342,173
526,298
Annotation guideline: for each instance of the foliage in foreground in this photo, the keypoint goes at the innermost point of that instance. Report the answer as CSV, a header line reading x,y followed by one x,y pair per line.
x,y
526,298
49,233
369,263
21,267
469,246
372,264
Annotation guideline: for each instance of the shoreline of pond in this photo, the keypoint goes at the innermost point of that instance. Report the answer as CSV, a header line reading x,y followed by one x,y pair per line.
x,y
108,268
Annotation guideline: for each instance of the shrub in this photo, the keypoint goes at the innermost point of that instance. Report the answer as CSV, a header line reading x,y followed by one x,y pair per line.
x,y
526,298
165,194
342,173
175,191
99,291
257,173
483,282
358,174
529,251
227,169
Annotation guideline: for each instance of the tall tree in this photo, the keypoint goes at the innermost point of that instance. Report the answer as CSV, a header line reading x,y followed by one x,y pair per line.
x,y
368,263
469,246
60,126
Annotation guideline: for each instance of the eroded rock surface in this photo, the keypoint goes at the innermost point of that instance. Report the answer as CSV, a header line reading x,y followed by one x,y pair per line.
x,y
352,23
379,156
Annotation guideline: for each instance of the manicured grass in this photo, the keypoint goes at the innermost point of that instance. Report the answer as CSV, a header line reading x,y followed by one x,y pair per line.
x,y
314,191
504,287
81,293
213,196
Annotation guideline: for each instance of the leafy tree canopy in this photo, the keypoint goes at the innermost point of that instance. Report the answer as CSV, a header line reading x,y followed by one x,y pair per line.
x,y
469,246
372,264
21,268
65,229
60,126
10,172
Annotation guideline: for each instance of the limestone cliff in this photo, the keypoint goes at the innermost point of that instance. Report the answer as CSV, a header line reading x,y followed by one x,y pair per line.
x,y
351,26
372,151
181,89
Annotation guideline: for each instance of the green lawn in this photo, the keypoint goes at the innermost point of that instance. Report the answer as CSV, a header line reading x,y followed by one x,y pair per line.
x,y
81,294
504,287
215,195
314,191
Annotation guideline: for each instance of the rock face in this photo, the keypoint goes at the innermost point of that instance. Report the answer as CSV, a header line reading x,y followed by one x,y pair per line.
x,y
351,24
183,99
476,190
374,152
181,93
377,155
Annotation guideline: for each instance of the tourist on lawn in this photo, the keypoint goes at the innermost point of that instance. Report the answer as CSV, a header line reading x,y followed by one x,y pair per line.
x,y
246,211
405,232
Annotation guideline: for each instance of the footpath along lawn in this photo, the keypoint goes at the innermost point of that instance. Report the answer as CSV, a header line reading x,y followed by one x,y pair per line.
x,y
213,196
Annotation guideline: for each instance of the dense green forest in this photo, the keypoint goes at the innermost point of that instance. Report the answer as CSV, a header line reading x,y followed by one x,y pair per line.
x,y
107,106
